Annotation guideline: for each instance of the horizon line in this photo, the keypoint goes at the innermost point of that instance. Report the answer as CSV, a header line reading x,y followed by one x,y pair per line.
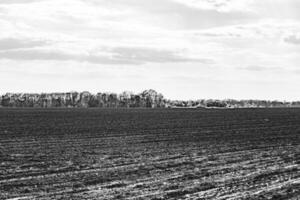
x,y
136,93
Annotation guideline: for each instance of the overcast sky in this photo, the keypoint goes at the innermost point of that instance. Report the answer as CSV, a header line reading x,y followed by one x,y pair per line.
x,y
185,49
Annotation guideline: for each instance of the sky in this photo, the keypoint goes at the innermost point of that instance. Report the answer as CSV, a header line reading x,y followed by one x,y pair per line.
x,y
185,49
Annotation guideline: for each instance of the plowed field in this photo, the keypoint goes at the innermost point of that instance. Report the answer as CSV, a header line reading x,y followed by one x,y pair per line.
x,y
149,154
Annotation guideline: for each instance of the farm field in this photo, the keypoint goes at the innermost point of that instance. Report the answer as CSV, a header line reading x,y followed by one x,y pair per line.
x,y
149,154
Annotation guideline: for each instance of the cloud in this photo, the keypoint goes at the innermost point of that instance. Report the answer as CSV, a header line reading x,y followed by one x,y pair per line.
x,y
263,29
61,56
219,5
293,39
258,68
17,1
177,14
13,43
152,55
118,55
262,9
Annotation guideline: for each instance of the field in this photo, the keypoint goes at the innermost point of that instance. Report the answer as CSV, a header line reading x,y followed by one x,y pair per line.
x,y
149,154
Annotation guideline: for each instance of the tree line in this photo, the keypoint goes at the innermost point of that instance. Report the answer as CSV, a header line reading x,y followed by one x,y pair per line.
x,y
231,103
146,99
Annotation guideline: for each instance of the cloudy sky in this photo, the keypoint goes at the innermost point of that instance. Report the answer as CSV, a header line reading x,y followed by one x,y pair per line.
x,y
185,49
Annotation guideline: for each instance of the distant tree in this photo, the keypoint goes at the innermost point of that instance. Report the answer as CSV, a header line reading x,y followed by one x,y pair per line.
x,y
151,98
113,100
104,99
93,101
159,100
125,99
99,99
5,101
216,103
68,100
136,101
84,99
56,101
